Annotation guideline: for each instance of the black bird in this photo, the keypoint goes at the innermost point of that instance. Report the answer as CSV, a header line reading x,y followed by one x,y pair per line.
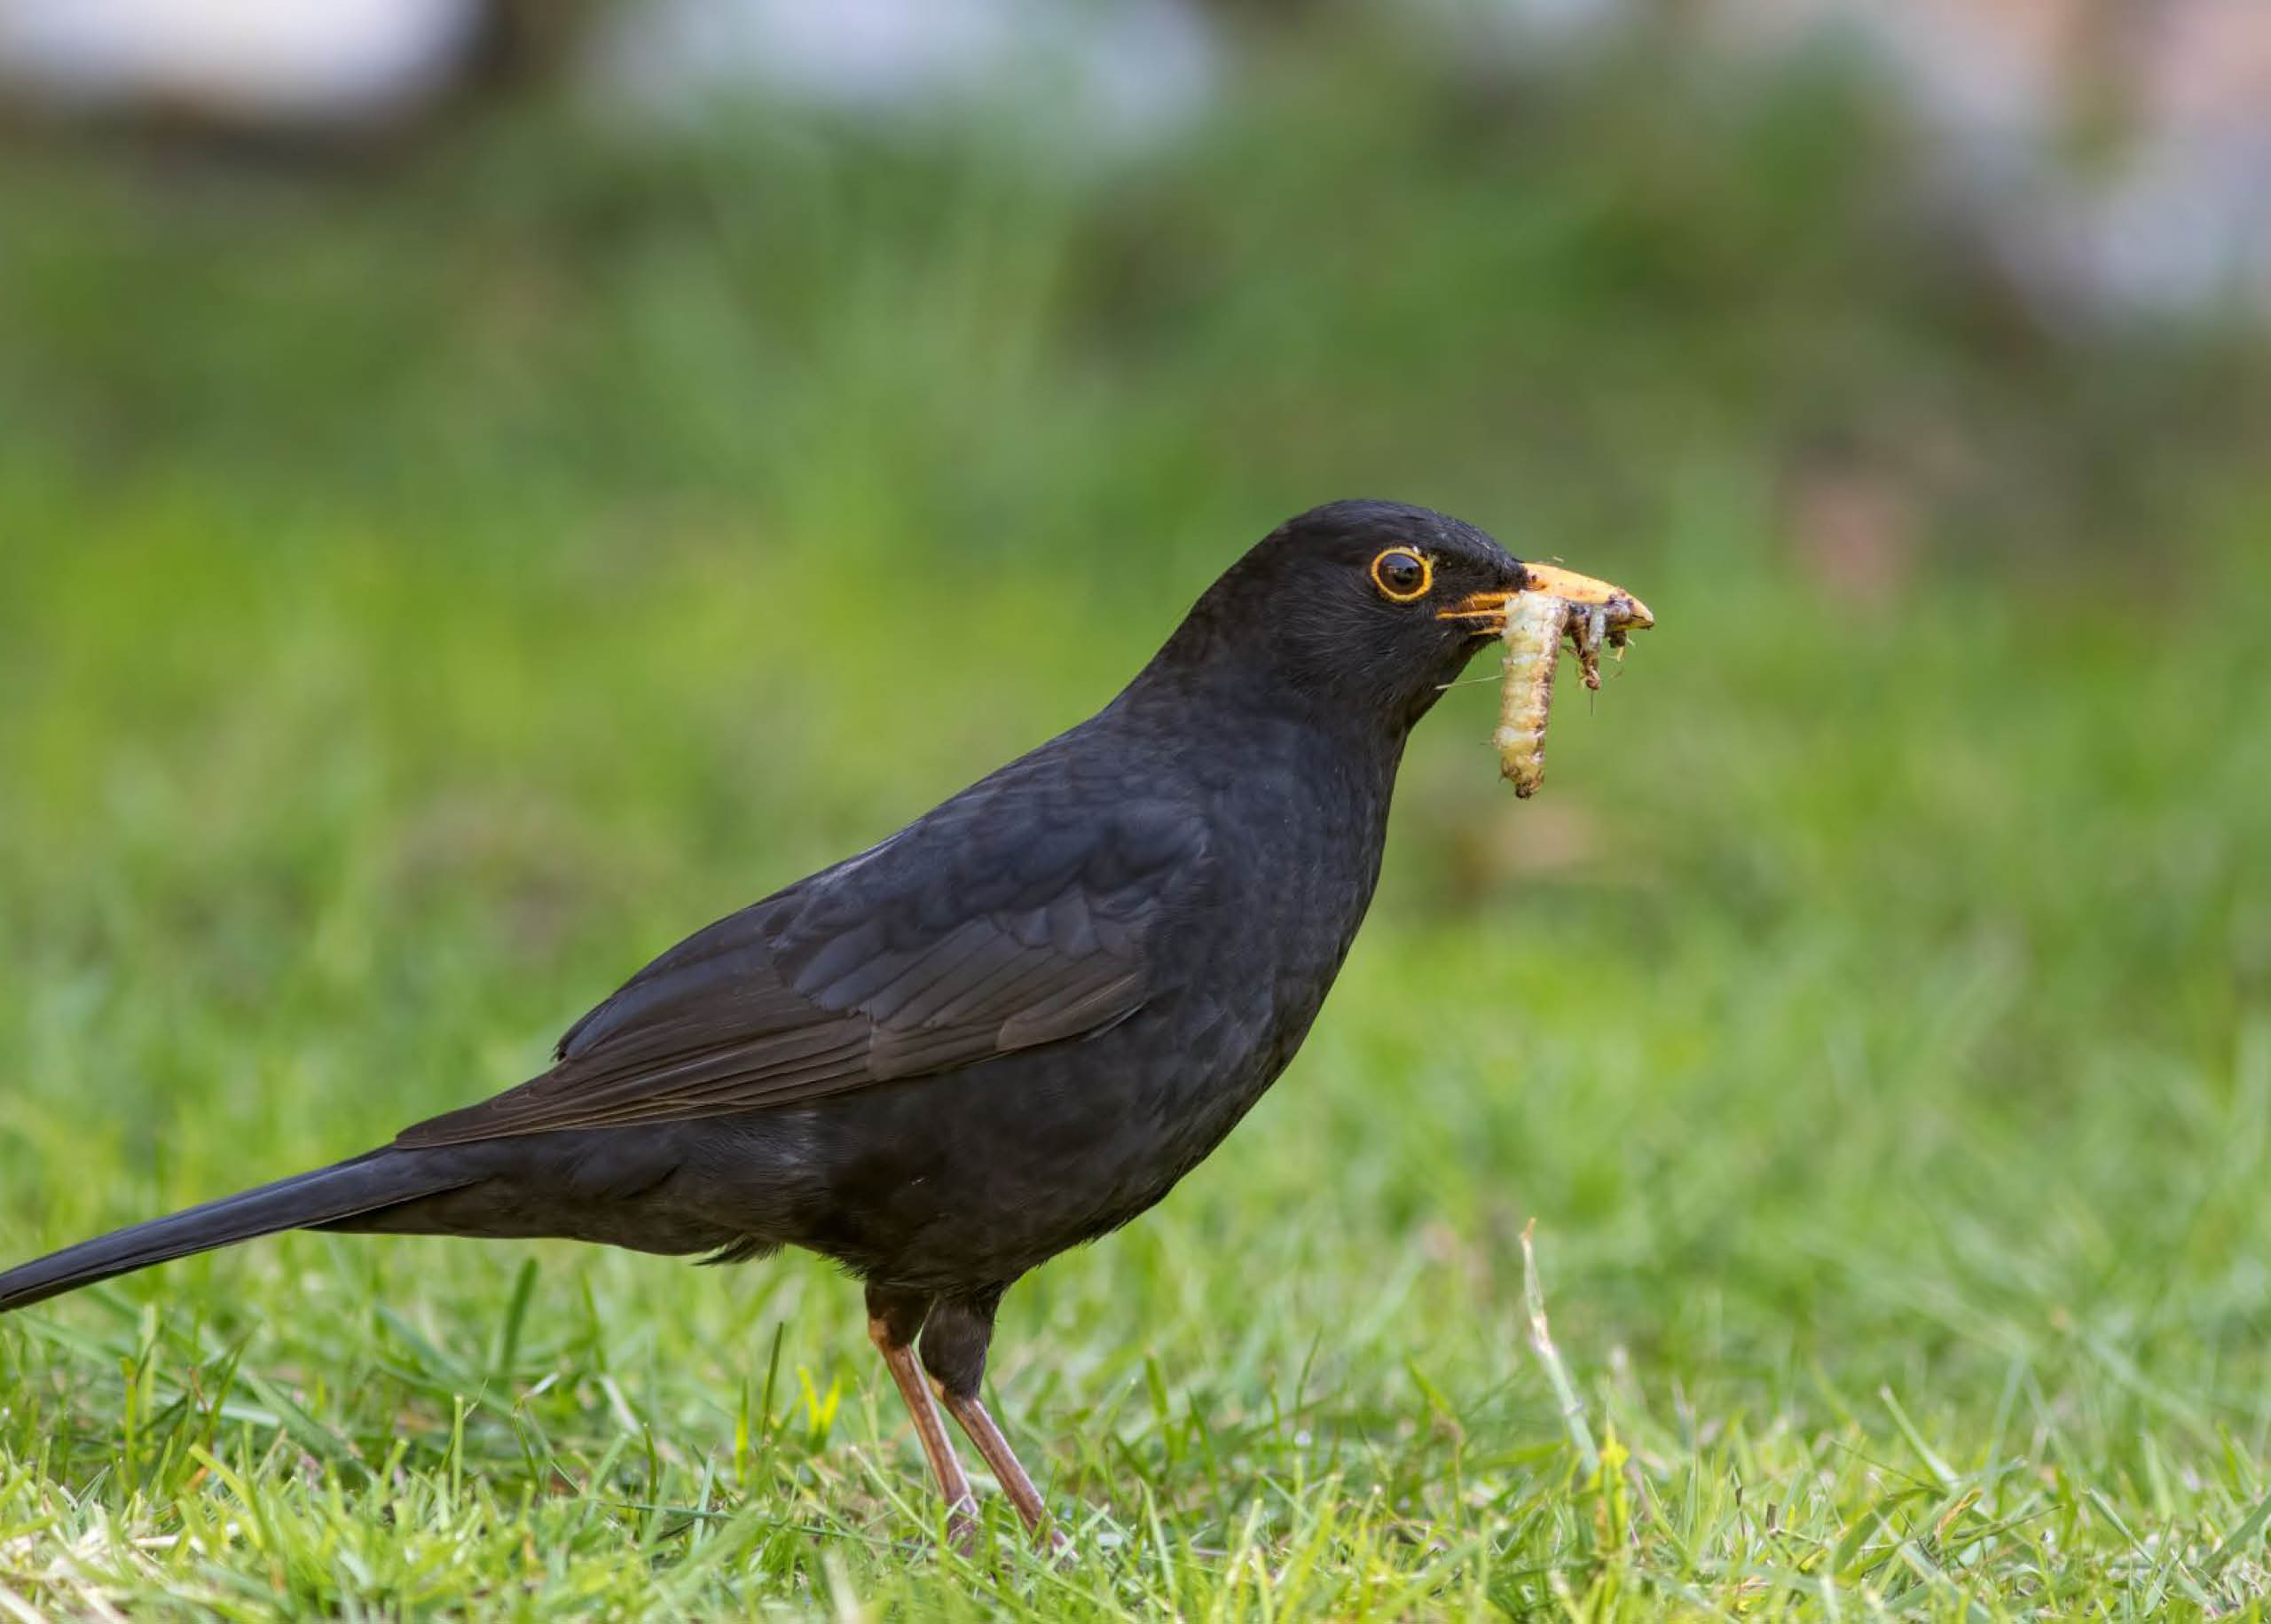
x,y
1006,1029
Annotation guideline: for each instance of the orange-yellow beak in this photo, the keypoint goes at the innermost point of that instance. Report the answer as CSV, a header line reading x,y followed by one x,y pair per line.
x,y
1486,612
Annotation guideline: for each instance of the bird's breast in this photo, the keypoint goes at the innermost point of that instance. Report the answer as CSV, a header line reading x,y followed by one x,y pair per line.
x,y
980,1174
1298,836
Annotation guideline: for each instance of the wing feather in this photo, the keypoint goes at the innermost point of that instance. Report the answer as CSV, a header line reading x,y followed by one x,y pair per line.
x,y
964,937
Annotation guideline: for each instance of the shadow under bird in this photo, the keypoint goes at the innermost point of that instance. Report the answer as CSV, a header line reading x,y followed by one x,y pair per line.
x,y
1006,1029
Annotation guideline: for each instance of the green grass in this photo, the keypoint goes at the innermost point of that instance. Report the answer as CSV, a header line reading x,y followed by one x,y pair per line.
x,y
420,602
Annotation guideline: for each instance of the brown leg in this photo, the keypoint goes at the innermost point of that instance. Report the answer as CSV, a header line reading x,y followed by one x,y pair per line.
x,y
953,1352
1001,1460
893,1323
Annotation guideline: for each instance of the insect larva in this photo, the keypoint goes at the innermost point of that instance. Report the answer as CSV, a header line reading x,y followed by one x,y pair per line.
x,y
1535,621
1596,616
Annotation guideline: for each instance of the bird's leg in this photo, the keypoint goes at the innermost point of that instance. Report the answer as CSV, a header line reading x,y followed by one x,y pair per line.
x,y
972,1413
893,1320
953,1352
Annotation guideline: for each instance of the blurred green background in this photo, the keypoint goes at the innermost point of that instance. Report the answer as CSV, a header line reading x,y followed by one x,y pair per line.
x,y
434,576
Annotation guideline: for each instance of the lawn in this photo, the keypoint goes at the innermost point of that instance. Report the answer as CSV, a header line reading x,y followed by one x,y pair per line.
x,y
427,591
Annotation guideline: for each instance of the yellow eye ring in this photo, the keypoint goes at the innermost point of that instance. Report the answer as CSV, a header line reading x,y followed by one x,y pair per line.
x,y
1404,575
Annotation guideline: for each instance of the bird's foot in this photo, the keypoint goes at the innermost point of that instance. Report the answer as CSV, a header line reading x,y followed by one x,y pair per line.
x,y
962,1527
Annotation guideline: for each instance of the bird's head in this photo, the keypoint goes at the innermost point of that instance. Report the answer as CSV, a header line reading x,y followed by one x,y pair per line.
x,y
1366,608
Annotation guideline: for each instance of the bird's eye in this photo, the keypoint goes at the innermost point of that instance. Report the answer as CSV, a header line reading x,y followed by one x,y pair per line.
x,y
1402,576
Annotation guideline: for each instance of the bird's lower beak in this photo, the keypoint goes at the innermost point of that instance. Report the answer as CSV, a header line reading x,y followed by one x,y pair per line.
x,y
1486,612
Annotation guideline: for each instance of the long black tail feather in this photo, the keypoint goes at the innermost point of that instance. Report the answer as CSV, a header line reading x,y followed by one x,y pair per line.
x,y
347,1189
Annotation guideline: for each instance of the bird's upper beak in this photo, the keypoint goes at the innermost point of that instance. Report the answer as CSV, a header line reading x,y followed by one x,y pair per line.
x,y
1486,612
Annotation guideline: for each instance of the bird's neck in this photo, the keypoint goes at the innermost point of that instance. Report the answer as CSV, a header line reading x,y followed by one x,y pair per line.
x,y
1216,712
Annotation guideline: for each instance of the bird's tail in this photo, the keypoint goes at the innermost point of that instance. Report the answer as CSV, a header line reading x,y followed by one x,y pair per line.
x,y
348,1189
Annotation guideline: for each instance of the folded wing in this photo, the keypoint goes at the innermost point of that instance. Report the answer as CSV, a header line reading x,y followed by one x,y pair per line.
x,y
998,924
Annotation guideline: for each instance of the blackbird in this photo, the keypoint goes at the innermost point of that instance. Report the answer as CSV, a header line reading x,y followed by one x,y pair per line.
x,y
1004,1031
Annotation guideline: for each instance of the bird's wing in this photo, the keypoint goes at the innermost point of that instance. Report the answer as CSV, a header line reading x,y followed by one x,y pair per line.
x,y
995,924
